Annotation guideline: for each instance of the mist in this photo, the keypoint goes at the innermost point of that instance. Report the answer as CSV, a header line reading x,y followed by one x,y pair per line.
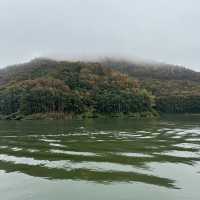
x,y
157,30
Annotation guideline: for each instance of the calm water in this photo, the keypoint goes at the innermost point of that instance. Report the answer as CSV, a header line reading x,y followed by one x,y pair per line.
x,y
101,159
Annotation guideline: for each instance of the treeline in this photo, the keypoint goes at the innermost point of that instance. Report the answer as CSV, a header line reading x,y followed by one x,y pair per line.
x,y
153,70
51,99
176,89
178,104
46,86
38,96
73,88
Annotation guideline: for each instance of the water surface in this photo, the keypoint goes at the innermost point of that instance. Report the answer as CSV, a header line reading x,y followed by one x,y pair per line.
x,y
101,159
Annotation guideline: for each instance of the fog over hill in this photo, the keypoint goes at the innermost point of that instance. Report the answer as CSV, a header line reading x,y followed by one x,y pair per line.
x,y
141,69
161,30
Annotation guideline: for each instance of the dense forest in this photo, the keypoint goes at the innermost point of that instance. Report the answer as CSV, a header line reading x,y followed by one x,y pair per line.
x,y
97,88
45,86
176,89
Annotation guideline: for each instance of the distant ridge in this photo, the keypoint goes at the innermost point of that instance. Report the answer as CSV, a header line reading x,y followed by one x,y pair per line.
x,y
139,69
153,70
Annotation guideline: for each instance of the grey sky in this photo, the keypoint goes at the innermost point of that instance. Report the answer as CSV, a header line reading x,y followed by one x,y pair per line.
x,y
160,30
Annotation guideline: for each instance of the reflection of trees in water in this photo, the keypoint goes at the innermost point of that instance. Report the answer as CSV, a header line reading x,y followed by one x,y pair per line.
x,y
88,175
135,145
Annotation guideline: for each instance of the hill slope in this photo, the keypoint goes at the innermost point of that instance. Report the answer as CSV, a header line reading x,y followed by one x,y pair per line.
x,y
176,88
44,86
153,70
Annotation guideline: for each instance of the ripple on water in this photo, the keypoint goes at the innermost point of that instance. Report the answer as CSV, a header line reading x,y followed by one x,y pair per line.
x,y
16,149
50,140
57,145
113,150
139,155
73,152
183,154
188,145
69,165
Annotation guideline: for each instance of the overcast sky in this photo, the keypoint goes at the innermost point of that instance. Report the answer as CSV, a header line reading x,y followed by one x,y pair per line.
x,y
160,30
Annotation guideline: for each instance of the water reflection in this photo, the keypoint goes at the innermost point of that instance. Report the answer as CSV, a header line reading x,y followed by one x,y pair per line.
x,y
104,151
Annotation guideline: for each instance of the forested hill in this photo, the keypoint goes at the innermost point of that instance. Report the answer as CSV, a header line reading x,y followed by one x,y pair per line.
x,y
92,88
46,86
141,70
176,88
153,70
34,69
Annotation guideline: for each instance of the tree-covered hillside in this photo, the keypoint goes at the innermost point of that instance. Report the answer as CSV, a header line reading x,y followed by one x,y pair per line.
x,y
46,86
153,70
176,89
92,88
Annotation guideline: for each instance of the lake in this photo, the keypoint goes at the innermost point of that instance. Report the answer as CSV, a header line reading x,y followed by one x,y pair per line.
x,y
96,159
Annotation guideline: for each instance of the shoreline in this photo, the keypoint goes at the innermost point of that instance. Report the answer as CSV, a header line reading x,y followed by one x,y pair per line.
x,y
86,115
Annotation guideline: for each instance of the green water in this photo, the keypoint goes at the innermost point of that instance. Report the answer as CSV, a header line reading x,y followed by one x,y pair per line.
x,y
113,159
